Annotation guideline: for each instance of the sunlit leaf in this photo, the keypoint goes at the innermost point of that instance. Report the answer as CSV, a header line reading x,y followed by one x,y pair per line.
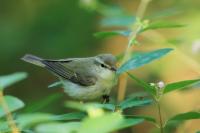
x,y
102,124
58,127
161,25
30,120
13,104
134,102
143,59
8,80
129,122
118,21
107,123
185,116
55,84
105,34
179,85
147,87
87,106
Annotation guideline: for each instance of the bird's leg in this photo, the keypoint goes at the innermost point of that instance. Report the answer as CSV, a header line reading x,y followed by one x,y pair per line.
x,y
106,99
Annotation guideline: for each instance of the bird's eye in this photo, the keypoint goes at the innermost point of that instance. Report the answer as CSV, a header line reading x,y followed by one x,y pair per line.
x,y
102,65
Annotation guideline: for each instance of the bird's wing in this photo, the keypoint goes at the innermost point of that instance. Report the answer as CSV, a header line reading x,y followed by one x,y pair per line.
x,y
65,71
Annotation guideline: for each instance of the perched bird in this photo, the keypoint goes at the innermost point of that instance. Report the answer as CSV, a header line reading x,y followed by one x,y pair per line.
x,y
82,78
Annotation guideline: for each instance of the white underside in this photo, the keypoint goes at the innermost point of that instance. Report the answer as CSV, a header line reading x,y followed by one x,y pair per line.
x,y
103,86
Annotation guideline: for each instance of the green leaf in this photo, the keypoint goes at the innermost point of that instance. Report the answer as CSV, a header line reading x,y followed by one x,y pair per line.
x,y
13,104
134,102
138,95
107,123
8,80
103,124
111,10
4,127
29,120
143,59
165,13
161,25
147,87
87,106
118,21
198,132
147,118
55,84
185,116
179,85
58,127
105,34
69,116
32,119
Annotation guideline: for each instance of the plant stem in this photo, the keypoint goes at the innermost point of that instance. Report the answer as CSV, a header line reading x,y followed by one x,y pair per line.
x,y
142,8
9,117
123,78
160,117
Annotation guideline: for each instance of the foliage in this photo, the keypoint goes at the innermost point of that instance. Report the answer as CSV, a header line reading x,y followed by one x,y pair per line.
x,y
93,117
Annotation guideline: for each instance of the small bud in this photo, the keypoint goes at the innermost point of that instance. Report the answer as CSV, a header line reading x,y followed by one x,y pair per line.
x,y
161,84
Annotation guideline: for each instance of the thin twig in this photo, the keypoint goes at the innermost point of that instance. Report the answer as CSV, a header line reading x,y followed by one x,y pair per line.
x,y
123,79
142,8
160,117
9,117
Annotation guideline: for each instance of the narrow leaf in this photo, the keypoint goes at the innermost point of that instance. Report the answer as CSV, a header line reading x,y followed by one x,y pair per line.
x,y
147,87
179,85
161,25
134,102
185,116
165,13
13,104
147,118
105,34
118,21
69,116
86,107
8,80
143,59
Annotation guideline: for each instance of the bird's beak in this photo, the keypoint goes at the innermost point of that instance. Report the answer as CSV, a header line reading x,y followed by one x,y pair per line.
x,y
114,68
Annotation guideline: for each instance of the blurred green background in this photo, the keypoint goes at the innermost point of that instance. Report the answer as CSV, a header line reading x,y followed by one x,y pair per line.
x,y
63,28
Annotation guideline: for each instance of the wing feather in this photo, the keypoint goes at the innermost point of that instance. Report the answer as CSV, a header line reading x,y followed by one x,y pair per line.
x,y
68,73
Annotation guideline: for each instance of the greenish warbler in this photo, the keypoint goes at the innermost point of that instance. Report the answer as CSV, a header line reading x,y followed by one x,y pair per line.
x,y
82,78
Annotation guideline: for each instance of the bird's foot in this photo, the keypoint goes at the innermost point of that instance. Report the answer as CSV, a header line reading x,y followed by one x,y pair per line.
x,y
105,99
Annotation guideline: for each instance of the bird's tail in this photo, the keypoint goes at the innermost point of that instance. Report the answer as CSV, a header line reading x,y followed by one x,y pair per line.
x,y
33,59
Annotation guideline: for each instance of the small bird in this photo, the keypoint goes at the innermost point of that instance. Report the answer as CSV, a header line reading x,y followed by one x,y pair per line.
x,y
82,78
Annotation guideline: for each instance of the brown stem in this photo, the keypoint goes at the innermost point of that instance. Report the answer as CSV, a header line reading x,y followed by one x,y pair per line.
x,y
123,78
9,117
